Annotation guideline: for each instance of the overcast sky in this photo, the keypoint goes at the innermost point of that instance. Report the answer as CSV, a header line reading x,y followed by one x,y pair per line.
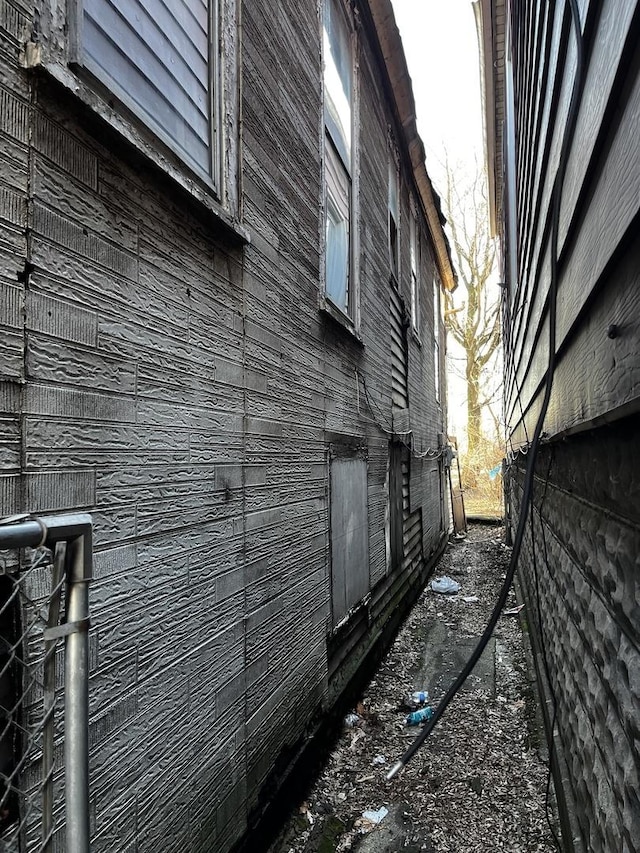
x,y
441,46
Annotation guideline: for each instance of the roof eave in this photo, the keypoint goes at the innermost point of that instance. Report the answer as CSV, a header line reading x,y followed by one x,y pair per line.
x,y
489,15
396,65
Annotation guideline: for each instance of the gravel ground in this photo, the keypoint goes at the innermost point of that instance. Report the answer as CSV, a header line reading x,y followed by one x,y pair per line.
x,y
479,782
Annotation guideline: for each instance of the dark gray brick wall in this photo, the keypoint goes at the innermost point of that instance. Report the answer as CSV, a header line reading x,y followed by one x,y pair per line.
x,y
186,391
582,565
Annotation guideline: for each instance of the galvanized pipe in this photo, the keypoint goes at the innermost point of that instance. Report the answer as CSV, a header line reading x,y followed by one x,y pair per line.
x,y
48,733
21,534
76,667
76,531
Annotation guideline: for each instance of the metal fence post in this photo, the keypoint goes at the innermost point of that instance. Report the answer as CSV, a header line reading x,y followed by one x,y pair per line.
x,y
76,705
76,532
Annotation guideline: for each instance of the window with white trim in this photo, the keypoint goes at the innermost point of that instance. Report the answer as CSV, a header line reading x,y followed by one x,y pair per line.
x,y
161,61
414,251
339,285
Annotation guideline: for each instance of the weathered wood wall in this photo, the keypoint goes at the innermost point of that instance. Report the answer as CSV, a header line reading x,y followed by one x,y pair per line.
x,y
189,392
598,213
579,563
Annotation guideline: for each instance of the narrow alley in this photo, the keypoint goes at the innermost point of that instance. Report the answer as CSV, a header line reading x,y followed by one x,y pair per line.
x,y
479,783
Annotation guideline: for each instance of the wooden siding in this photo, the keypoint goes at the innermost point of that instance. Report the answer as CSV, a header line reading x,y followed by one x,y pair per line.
x,y
598,210
399,363
189,393
578,565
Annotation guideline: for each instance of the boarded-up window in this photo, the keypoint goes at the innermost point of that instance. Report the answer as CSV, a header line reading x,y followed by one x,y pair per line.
x,y
157,57
349,535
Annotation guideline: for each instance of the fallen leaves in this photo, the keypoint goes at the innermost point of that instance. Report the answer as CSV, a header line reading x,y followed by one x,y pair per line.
x,y
478,783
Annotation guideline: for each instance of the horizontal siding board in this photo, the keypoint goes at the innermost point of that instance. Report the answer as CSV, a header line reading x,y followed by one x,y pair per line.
x,y
614,205
540,154
614,27
534,278
162,44
596,375
536,119
166,78
612,208
204,456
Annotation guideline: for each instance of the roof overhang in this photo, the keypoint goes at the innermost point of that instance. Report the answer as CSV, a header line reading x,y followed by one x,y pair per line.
x,y
490,21
396,66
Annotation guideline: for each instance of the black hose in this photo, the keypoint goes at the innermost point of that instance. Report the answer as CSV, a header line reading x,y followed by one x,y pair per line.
x,y
535,441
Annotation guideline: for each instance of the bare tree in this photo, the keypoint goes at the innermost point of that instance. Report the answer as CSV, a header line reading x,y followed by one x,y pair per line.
x,y
473,311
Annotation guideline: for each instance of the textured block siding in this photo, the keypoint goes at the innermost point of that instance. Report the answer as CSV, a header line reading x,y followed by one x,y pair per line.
x,y
585,547
187,394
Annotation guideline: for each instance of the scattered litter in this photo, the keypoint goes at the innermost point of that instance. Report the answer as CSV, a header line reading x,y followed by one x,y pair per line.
x,y
379,759
513,611
476,779
470,599
493,473
445,585
305,810
377,816
351,720
355,737
419,697
419,717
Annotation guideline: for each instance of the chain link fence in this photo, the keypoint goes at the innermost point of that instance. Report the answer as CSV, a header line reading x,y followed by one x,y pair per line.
x,y
45,565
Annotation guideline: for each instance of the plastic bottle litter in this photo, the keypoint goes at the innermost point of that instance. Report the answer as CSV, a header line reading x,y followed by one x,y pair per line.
x,y
419,717
418,697
351,720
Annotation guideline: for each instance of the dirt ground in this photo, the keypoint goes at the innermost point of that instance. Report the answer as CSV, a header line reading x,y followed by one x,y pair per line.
x,y
479,782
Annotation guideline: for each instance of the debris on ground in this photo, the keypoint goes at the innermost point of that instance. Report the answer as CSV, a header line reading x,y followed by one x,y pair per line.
x,y
375,817
445,585
479,782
